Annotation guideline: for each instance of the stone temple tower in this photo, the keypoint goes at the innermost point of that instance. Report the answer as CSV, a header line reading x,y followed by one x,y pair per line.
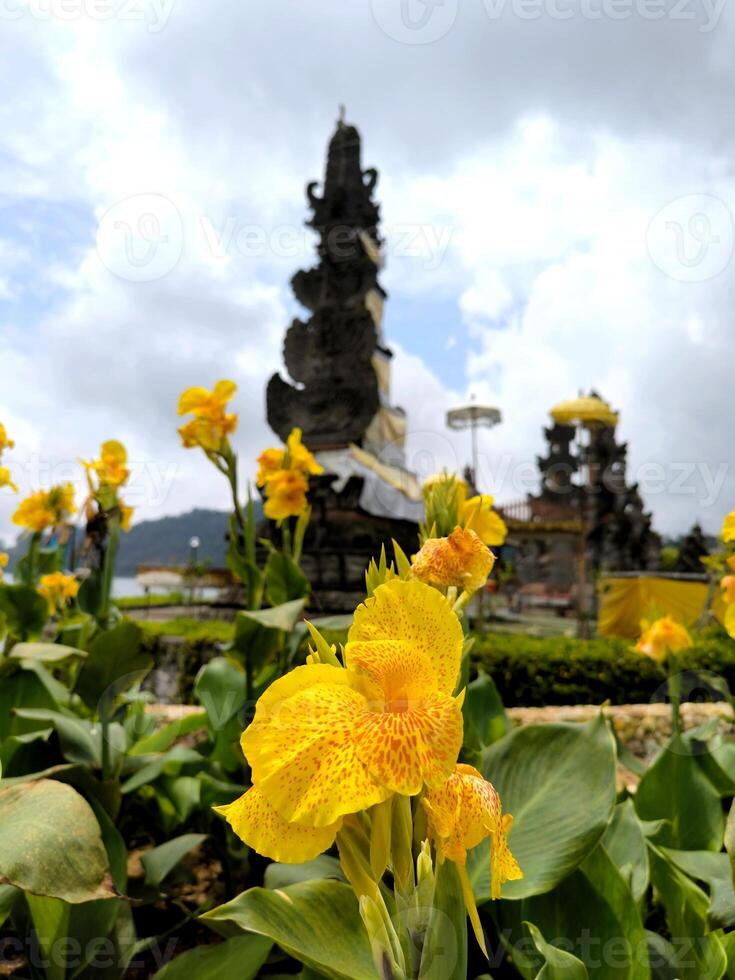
x,y
339,367
337,390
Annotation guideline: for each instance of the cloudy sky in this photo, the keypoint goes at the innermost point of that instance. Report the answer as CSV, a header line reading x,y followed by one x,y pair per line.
x,y
557,195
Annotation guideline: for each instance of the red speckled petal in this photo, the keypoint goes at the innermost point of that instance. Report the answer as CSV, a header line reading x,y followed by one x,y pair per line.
x,y
256,822
417,615
405,749
301,746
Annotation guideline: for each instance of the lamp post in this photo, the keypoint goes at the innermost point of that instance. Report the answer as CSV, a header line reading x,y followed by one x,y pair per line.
x,y
473,417
194,543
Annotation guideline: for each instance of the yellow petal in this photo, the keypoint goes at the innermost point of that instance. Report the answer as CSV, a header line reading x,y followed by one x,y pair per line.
x,y
478,516
223,391
192,399
302,749
460,560
256,823
405,748
417,615
462,813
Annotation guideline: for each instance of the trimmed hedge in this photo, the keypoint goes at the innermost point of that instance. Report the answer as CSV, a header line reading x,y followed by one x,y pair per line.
x,y
533,672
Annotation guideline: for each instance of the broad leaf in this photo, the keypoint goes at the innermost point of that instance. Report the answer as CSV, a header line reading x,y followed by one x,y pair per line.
x,y
240,957
48,653
676,789
284,580
593,911
558,782
316,922
484,714
625,842
220,688
25,612
558,963
161,860
281,875
50,843
115,663
444,955
714,870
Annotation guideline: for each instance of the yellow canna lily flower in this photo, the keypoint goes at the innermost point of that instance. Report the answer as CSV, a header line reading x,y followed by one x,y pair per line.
x,y
328,741
5,479
58,590
663,637
269,462
460,560
126,516
728,528
206,404
46,508
462,813
211,425
298,456
4,559
285,495
477,515
5,443
256,822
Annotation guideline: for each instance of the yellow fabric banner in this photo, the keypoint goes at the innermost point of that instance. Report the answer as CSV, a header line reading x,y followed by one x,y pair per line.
x,y
624,602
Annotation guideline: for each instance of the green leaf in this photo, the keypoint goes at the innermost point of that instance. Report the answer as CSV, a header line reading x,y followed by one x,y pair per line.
x,y
558,782
558,964
444,956
163,859
699,953
284,580
240,957
316,922
23,689
48,653
484,714
625,842
220,688
25,611
89,597
50,843
115,664
259,634
8,896
593,911
714,870
51,923
676,789
80,741
165,736
281,875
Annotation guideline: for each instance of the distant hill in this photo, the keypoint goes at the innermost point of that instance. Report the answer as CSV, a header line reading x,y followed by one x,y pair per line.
x,y
166,541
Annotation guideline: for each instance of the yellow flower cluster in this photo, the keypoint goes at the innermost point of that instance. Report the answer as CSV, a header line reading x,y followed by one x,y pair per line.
x,y
460,560
105,476
447,506
5,477
284,473
211,424
728,594
58,590
329,741
728,528
46,509
662,638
